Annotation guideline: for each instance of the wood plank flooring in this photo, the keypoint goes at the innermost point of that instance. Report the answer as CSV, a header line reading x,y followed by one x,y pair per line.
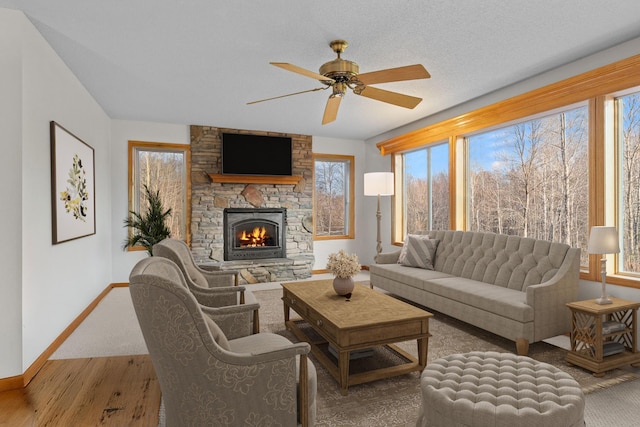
x,y
102,391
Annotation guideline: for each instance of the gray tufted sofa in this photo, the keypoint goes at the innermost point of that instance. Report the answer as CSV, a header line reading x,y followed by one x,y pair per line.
x,y
512,286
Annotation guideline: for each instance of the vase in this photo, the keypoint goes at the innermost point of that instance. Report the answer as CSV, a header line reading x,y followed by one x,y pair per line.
x,y
343,285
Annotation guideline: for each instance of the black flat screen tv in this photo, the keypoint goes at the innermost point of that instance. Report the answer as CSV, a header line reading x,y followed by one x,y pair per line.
x,y
244,154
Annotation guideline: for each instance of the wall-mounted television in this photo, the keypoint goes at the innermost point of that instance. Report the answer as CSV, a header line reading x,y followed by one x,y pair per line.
x,y
244,154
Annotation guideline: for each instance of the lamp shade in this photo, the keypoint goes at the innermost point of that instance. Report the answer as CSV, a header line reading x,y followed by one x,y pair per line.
x,y
603,240
378,184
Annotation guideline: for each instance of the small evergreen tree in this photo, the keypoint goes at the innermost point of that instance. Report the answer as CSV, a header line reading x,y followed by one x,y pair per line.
x,y
148,229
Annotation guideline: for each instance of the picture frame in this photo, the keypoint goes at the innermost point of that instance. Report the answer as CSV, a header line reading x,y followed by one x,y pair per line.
x,y
72,186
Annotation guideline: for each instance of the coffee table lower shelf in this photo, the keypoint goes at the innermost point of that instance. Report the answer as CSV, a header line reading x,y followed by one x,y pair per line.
x,y
339,368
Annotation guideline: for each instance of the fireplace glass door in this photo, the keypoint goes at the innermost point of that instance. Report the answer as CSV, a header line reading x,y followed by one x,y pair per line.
x,y
254,234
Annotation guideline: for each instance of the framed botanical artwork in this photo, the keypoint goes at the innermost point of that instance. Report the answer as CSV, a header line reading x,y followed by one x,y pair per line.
x,y
72,186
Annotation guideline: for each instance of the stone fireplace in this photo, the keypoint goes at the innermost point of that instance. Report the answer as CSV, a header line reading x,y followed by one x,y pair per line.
x,y
212,193
254,233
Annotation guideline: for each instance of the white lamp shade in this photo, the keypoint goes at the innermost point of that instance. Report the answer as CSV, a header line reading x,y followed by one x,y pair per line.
x,y
378,183
603,240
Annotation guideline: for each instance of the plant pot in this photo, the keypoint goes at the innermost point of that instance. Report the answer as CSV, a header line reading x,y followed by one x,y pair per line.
x,y
343,285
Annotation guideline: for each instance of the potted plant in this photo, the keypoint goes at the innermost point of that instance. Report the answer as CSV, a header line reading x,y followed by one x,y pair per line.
x,y
344,266
150,228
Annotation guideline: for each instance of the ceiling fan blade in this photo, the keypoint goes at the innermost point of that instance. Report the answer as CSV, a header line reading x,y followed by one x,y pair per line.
x,y
409,72
300,70
331,109
289,94
389,97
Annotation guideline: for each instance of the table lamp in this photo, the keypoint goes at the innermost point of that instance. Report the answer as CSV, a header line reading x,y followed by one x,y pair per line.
x,y
603,240
378,184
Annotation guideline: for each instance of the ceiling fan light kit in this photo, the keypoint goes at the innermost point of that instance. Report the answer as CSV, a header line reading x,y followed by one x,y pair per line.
x,y
340,74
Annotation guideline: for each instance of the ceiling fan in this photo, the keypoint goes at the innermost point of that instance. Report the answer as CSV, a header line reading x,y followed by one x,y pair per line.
x,y
341,74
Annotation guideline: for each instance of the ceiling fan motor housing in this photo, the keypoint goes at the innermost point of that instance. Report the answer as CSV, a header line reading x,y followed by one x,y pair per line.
x,y
340,70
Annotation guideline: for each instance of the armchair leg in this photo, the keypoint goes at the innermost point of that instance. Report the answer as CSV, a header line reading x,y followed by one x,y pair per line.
x,y
256,322
304,391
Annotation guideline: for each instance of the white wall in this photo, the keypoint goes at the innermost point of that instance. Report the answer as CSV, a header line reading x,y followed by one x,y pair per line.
x,y
59,281
11,184
322,248
376,163
46,286
122,131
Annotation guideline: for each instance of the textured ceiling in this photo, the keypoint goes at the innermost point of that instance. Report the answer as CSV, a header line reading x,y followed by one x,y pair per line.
x,y
201,61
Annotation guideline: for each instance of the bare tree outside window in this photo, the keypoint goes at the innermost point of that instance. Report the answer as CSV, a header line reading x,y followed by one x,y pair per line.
x,y
425,180
333,198
531,179
163,168
628,113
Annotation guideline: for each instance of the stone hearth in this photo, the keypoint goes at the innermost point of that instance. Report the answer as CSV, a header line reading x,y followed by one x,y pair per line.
x,y
210,198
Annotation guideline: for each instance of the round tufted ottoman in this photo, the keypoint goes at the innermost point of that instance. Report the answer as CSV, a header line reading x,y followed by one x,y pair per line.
x,y
498,389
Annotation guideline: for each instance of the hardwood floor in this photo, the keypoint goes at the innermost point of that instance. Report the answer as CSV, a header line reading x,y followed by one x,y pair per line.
x,y
102,391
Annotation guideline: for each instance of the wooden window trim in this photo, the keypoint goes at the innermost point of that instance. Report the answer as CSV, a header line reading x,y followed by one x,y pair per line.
x,y
594,87
599,82
352,224
130,184
398,202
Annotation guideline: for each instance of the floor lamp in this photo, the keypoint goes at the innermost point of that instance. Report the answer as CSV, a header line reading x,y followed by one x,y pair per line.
x,y
378,184
603,240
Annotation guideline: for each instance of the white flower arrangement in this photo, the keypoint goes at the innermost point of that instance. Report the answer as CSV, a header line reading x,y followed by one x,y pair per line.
x,y
342,264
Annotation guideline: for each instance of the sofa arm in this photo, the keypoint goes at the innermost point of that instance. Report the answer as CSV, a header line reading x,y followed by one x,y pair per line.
x,y
549,299
387,257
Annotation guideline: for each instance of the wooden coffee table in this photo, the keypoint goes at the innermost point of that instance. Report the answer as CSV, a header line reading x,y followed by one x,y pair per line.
x,y
368,319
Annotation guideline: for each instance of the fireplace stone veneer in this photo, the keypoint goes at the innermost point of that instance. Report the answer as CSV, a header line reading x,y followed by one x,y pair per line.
x,y
209,199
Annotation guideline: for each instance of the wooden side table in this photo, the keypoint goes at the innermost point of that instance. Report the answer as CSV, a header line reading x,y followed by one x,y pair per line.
x,y
588,340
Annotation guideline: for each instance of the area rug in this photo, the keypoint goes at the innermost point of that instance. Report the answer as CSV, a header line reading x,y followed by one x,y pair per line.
x,y
396,401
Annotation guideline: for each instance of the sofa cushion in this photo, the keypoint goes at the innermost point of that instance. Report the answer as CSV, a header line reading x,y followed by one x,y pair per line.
x,y
414,277
418,251
506,302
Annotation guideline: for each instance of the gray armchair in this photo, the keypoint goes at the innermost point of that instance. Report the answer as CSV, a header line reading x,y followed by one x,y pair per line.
x,y
220,304
200,280
260,379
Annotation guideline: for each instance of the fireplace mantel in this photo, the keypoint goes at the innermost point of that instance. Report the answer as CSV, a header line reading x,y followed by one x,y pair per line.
x,y
254,179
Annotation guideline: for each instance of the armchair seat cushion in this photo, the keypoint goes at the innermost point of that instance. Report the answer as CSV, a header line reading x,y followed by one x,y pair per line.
x,y
266,341
261,342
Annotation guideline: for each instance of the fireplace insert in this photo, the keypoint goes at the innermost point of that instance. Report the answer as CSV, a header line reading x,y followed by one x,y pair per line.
x,y
254,233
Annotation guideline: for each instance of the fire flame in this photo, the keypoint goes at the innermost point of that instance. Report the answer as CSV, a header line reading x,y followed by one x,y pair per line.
x,y
253,238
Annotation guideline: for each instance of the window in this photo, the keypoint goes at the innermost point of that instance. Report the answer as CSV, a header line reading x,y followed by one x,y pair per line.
x,y
164,168
509,180
425,189
333,198
628,142
531,179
